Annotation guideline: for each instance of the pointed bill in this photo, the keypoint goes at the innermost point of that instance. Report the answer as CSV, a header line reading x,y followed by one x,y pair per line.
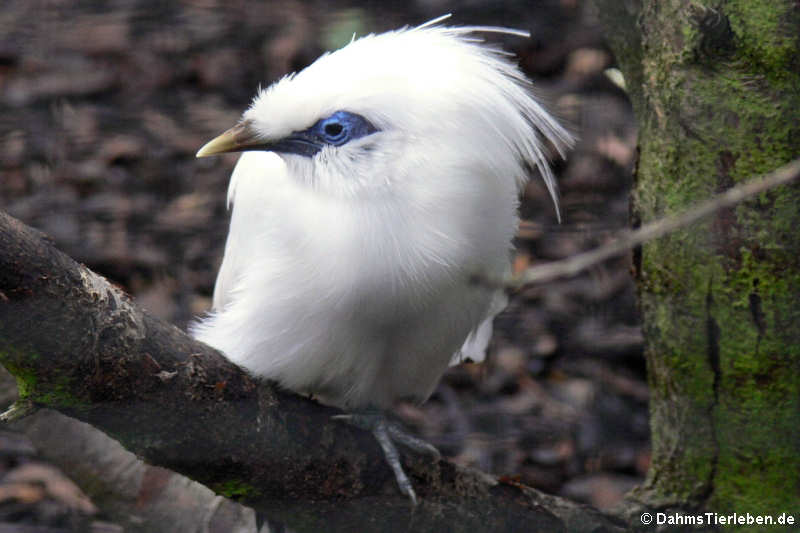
x,y
237,139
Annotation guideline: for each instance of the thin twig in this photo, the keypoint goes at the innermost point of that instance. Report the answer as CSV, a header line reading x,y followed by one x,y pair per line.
x,y
18,410
628,239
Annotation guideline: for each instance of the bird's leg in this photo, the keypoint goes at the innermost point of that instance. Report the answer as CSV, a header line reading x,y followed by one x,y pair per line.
x,y
388,433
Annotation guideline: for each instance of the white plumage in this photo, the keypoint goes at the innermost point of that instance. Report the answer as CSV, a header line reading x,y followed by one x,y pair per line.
x,y
347,270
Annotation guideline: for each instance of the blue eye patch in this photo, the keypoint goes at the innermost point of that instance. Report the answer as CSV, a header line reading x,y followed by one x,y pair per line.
x,y
335,130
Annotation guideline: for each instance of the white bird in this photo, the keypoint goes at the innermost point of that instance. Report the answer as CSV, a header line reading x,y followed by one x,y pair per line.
x,y
376,184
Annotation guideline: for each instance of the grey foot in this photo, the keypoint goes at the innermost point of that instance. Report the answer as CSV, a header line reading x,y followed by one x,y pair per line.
x,y
387,433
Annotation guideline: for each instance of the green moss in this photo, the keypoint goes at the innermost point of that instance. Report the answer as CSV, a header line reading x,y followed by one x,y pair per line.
x,y
57,395
32,387
766,34
26,380
236,489
725,407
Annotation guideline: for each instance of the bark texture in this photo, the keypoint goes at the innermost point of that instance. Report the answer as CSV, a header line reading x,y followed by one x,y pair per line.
x,y
80,346
716,90
139,497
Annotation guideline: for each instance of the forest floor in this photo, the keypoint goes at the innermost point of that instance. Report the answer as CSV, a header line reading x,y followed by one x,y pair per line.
x,y
103,110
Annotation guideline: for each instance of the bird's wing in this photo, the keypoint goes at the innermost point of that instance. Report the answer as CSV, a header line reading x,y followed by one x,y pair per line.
x,y
233,262
247,192
474,348
229,272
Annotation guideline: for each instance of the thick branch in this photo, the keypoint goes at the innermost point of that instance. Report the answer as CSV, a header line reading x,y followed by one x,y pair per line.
x,y
79,345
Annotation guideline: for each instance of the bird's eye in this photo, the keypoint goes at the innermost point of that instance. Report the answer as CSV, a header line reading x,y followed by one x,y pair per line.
x,y
333,130
341,128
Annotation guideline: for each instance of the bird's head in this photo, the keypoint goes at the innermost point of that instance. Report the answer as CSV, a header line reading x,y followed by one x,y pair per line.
x,y
424,104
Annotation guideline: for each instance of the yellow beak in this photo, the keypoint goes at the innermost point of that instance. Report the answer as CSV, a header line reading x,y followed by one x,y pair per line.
x,y
237,139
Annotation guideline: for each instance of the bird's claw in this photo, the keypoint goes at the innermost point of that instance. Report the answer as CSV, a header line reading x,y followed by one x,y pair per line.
x,y
387,433
400,436
382,435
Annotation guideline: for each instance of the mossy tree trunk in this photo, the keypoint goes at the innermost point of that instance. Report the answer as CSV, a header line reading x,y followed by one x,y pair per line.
x,y
716,89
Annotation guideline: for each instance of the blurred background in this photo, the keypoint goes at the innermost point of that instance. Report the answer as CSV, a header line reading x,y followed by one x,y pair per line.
x,y
103,105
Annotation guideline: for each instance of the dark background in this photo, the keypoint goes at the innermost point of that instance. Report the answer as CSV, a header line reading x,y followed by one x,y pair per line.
x,y
103,105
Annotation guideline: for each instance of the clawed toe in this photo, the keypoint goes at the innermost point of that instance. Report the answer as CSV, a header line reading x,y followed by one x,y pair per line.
x,y
387,434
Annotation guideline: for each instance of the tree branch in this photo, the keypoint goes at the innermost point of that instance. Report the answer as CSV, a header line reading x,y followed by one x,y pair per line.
x,y
79,345
629,239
